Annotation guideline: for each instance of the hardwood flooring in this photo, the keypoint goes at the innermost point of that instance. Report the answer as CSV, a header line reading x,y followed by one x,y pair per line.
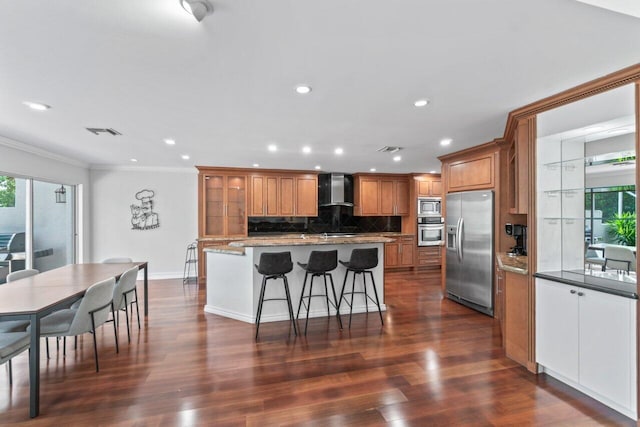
x,y
433,363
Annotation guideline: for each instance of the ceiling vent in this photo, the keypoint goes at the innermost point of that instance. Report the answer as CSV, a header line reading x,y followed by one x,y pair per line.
x,y
98,131
388,149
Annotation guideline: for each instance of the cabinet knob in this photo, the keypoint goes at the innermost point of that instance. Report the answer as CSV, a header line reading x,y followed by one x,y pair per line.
x,y
573,291
580,294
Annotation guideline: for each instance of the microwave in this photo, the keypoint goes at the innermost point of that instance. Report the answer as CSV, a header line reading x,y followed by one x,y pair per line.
x,y
429,206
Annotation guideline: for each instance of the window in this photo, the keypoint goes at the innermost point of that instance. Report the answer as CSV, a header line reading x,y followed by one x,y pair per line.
x,y
609,211
7,192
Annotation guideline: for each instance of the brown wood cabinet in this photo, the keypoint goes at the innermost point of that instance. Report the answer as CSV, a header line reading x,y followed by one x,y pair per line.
x,y
399,254
429,256
283,195
429,187
223,201
471,174
381,195
518,167
516,320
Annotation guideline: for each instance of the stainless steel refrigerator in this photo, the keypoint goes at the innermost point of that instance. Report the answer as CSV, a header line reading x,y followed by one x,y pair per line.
x,y
469,225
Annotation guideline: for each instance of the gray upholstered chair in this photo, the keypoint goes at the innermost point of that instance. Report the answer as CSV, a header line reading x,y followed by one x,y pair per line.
x,y
124,295
619,258
121,260
592,257
92,312
21,274
17,325
11,345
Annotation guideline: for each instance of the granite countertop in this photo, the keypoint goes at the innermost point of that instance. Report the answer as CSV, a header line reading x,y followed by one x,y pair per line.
x,y
515,264
601,284
225,249
389,234
310,240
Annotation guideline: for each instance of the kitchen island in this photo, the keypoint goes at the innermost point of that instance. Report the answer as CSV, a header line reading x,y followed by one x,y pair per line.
x,y
233,283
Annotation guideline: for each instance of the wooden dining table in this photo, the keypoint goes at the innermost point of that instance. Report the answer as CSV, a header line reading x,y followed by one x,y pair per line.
x,y
34,297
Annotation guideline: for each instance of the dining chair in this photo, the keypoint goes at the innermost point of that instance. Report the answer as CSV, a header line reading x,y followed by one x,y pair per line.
x,y
93,311
592,257
21,274
124,295
11,345
17,325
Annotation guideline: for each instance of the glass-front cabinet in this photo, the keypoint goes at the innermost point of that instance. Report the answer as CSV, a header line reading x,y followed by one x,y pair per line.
x,y
225,205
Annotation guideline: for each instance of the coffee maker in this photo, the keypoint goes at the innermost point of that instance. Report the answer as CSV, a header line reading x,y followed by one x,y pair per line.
x,y
519,233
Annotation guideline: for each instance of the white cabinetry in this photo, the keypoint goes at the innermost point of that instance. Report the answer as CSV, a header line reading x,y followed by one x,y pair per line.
x,y
587,339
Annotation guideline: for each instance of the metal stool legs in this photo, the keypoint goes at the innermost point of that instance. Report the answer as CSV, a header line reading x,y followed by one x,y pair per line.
x,y
262,299
335,303
353,292
190,274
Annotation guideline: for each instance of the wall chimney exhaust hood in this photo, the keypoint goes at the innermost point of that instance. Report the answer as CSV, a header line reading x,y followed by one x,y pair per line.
x,y
335,189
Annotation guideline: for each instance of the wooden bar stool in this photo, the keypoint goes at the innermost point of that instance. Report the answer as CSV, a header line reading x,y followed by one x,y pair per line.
x,y
274,265
320,264
361,262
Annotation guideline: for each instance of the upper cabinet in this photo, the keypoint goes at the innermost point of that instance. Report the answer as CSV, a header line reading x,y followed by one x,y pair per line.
x,y
223,201
428,186
283,195
518,166
381,195
471,174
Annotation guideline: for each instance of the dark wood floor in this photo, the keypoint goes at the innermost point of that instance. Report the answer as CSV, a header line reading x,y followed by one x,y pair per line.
x,y
433,363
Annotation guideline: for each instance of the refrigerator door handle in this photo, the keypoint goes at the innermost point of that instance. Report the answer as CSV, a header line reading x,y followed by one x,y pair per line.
x,y
459,236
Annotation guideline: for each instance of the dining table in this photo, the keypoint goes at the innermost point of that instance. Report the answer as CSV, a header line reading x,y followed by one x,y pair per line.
x,y
34,297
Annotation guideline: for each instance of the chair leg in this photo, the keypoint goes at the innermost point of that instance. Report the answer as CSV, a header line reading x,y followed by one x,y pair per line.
x,y
333,289
46,340
64,346
95,343
75,342
115,329
126,316
326,292
344,284
10,373
135,291
286,290
304,286
260,302
375,292
353,290
306,322
366,296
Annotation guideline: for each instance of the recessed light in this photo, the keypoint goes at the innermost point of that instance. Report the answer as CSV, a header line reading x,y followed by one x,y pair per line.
x,y
338,151
37,106
446,141
397,158
421,103
133,160
185,157
306,150
256,165
272,148
169,141
432,171
372,170
318,167
303,89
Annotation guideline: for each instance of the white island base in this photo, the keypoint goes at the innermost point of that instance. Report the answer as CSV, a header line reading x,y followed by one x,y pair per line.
x,y
233,283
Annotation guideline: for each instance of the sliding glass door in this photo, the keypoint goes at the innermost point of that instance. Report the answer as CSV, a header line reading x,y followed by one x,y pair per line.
x,y
13,197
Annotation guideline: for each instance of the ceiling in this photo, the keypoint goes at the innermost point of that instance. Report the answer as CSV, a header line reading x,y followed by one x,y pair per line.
x,y
224,88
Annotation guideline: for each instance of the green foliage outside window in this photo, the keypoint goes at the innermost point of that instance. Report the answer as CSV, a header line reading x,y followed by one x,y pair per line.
x,y
7,192
622,228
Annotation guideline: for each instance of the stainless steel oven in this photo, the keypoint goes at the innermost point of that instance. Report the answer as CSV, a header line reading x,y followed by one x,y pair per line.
x,y
430,231
429,207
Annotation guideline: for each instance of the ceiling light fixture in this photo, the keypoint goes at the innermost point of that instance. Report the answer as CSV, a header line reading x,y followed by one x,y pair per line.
x,y
318,167
169,141
397,158
372,170
446,141
432,171
272,147
37,106
185,157
256,165
306,150
421,103
338,151
133,160
198,8
303,89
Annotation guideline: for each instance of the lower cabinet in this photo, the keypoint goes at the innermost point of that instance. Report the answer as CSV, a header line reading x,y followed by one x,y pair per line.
x,y
429,256
516,316
587,339
399,253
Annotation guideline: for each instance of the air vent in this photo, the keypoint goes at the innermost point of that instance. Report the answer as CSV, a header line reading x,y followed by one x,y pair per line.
x,y
98,131
388,149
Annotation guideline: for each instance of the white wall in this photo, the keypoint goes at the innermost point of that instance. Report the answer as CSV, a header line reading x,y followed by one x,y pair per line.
x,y
175,202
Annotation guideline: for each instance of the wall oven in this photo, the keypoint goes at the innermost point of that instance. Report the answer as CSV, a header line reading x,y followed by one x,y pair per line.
x,y
430,231
429,207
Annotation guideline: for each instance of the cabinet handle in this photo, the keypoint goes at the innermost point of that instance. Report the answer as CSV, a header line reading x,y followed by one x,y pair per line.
x,y
580,294
573,291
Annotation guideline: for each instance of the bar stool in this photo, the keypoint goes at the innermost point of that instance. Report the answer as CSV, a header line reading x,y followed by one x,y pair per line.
x,y
361,262
320,264
274,265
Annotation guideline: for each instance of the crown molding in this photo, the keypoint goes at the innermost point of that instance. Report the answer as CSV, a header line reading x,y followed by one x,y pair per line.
x,y
121,168
26,148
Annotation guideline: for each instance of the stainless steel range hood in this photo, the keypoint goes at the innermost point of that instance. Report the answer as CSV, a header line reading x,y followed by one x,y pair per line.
x,y
335,189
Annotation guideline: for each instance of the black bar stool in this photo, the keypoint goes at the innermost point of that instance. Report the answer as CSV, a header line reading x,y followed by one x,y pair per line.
x,y
275,265
320,264
361,262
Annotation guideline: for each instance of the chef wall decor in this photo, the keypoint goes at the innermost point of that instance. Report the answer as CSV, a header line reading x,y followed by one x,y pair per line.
x,y
142,216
